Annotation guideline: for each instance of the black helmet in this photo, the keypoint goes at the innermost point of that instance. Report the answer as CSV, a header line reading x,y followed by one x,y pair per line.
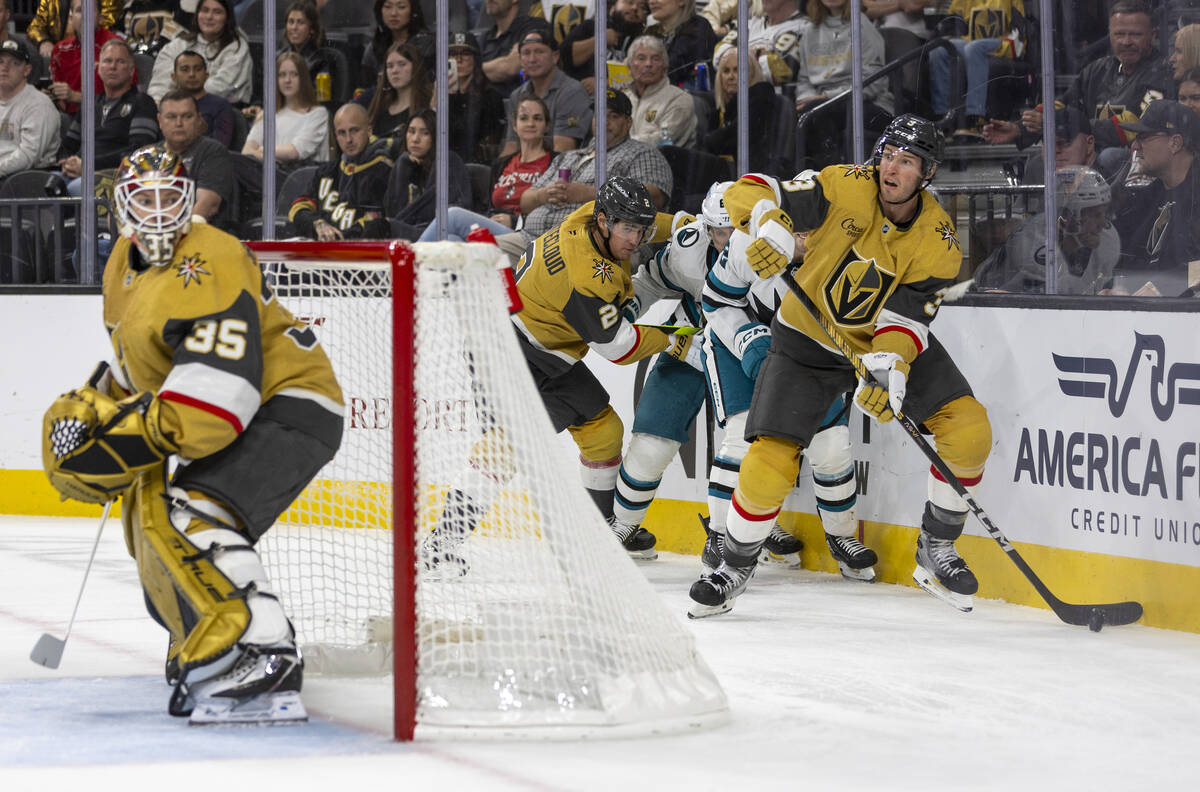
x,y
913,133
623,198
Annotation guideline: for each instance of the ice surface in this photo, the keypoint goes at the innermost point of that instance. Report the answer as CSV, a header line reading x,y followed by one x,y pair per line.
x,y
833,685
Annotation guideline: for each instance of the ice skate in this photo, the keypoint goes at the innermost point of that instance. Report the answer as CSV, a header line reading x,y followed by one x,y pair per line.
x,y
441,559
262,687
943,573
713,594
637,541
781,548
855,560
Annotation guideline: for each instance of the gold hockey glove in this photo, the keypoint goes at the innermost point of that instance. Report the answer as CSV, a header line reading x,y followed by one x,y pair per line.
x,y
773,245
94,446
882,396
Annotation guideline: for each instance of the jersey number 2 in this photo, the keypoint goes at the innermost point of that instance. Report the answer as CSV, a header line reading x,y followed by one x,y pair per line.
x,y
227,338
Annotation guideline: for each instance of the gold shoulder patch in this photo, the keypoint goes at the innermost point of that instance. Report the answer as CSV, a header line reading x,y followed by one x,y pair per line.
x,y
856,171
948,235
190,268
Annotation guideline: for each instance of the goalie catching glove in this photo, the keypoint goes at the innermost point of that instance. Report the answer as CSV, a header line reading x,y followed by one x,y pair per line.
x,y
93,446
773,245
882,396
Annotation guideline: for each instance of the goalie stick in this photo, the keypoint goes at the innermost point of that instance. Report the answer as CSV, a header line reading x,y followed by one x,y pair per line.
x,y
1094,616
48,651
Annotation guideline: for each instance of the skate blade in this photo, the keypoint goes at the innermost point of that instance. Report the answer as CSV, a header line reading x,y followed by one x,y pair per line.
x,y
788,560
266,710
864,575
643,555
698,611
926,580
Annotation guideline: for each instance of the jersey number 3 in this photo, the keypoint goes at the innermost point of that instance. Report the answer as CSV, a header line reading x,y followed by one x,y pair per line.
x,y
226,337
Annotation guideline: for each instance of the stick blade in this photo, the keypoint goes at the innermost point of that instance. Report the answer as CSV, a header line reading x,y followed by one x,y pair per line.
x,y
1114,613
48,651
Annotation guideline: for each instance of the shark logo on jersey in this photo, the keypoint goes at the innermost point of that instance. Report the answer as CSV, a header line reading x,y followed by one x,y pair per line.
x,y
190,269
602,269
856,290
949,236
1166,382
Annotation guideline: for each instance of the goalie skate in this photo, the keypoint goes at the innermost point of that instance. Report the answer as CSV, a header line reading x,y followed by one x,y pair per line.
x,y
943,573
263,687
781,548
855,560
714,594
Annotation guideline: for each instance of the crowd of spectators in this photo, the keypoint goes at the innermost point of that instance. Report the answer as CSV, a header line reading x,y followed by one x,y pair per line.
x,y
357,112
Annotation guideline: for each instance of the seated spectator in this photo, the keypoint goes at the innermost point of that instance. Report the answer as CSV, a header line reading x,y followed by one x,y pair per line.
x,y
149,24
124,117
774,36
214,34
513,174
396,22
475,107
626,21
903,14
191,75
403,89
29,123
206,160
1185,51
411,197
689,38
302,33
570,109
66,61
344,200
824,71
500,44
988,23
50,23
1085,252
722,141
1074,144
1160,231
1189,90
662,113
301,124
35,59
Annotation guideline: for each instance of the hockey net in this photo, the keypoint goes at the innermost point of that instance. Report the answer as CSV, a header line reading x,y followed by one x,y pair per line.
x,y
541,625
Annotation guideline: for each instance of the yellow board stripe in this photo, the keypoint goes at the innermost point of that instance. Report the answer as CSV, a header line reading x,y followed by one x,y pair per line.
x,y
1166,590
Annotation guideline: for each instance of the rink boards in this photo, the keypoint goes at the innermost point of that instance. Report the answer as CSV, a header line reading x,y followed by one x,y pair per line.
x,y
1094,471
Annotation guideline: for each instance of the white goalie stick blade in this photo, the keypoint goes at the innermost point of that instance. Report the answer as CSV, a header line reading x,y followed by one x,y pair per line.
x,y
698,611
926,580
264,710
864,575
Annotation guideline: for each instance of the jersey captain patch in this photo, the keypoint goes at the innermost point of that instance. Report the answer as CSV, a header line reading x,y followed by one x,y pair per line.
x,y
190,268
857,289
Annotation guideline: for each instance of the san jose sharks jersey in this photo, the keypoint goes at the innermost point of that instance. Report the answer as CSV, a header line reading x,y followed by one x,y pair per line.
x,y
735,299
678,271
207,336
879,282
573,296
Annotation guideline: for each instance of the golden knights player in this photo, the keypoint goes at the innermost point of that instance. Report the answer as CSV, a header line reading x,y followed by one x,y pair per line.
x,y
880,252
575,284
210,369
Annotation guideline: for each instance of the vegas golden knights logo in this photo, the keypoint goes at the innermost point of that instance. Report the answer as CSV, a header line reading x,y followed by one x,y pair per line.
x,y
857,289
988,23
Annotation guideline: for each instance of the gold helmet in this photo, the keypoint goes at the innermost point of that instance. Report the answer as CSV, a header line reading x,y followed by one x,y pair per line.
x,y
153,198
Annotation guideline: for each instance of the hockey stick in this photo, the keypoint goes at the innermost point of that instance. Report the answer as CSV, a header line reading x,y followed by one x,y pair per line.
x,y
1094,616
48,651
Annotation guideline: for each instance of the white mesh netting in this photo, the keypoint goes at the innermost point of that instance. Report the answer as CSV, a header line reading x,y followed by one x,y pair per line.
x,y
529,613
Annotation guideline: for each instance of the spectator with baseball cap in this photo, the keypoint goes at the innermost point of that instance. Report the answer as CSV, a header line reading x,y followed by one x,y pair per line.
x,y
570,105
29,122
475,107
1074,144
1160,230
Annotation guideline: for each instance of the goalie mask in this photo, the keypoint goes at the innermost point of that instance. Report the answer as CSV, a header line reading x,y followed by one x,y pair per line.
x,y
153,198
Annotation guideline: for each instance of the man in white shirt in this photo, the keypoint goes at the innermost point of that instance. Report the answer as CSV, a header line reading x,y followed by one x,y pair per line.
x,y
29,122
657,103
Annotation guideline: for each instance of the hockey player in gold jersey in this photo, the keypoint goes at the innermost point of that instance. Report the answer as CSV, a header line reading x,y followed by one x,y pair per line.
x,y
211,370
880,252
575,282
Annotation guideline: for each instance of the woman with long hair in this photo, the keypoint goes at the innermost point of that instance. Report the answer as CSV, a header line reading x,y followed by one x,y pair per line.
x,y
410,196
215,35
722,140
396,22
303,33
512,175
403,88
301,124
1185,51
475,108
689,38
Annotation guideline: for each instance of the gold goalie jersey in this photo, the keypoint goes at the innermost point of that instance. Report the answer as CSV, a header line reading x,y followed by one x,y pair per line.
x,y
573,297
880,282
206,335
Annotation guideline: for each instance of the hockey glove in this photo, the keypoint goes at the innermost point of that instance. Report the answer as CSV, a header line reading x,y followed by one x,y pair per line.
x,y
882,397
681,219
751,344
773,245
683,350
94,446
